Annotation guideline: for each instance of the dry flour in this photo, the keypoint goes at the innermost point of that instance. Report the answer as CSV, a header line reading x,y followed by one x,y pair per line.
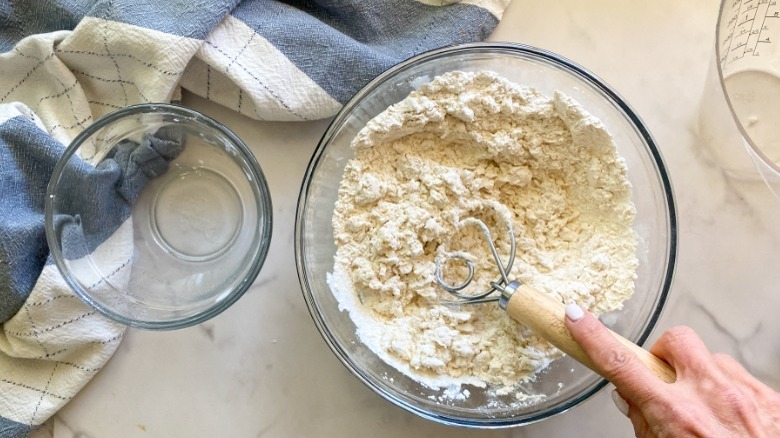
x,y
476,145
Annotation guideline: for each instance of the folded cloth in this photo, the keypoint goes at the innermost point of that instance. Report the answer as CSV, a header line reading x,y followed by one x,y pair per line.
x,y
66,62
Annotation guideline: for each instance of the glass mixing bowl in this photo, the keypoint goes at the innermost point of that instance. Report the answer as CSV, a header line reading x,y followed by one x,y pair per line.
x,y
565,383
158,216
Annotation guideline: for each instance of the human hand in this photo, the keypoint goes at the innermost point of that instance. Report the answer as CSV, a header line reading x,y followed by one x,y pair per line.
x,y
714,396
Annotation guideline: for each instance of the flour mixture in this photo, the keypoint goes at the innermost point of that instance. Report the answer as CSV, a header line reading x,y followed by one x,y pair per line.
x,y
477,145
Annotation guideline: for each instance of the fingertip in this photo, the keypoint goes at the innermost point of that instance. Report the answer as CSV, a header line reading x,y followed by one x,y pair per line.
x,y
641,428
574,312
581,324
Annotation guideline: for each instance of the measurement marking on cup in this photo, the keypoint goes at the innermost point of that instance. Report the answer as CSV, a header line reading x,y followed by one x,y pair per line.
x,y
747,28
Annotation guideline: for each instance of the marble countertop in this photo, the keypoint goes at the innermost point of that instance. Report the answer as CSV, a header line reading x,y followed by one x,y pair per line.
x,y
262,369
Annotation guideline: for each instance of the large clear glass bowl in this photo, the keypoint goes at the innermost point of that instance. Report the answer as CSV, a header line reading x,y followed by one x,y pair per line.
x,y
565,382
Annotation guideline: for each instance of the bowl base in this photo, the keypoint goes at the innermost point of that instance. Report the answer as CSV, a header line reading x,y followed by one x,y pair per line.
x,y
196,214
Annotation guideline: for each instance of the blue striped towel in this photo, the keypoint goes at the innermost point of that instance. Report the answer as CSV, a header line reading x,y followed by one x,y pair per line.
x,y
64,63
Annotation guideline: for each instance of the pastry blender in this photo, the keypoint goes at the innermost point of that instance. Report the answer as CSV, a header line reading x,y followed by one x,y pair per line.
x,y
532,308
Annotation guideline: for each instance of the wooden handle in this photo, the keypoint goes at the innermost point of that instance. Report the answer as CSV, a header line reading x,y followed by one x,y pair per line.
x,y
545,316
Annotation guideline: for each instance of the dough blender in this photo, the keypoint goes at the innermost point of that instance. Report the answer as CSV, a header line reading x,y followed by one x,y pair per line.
x,y
530,307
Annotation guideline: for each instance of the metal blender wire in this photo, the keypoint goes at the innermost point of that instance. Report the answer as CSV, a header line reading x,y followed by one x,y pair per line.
x,y
499,285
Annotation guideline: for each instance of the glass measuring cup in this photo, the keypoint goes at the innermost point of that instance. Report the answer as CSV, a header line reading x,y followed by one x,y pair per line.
x,y
741,101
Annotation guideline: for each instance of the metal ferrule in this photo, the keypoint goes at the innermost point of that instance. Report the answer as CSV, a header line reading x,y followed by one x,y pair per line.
x,y
506,293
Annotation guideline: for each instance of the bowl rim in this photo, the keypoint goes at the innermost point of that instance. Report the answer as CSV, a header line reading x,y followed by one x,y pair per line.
x,y
263,200
573,69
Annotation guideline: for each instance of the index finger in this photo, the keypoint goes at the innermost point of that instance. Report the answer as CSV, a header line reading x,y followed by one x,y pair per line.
x,y
613,360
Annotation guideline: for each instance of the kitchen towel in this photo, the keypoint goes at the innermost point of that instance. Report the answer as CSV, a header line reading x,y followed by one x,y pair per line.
x,y
64,63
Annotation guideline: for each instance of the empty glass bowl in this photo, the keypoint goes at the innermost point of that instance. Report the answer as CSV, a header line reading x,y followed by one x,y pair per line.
x,y
564,383
158,216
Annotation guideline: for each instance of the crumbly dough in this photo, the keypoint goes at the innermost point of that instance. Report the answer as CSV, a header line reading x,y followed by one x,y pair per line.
x,y
476,145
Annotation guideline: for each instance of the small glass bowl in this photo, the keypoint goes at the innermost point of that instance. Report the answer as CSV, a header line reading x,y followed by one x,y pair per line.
x,y
158,216
565,383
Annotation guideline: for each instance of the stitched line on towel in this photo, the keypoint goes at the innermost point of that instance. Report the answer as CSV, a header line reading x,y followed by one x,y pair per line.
x,y
78,123
230,64
110,274
24,55
54,327
101,137
81,367
98,78
72,107
32,323
17,51
46,356
268,89
65,90
208,81
43,394
110,340
110,105
82,316
123,55
32,388
50,299
240,98
27,76
240,89
113,60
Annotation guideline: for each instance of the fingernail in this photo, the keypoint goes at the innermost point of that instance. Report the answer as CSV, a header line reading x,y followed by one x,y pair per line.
x,y
574,312
620,403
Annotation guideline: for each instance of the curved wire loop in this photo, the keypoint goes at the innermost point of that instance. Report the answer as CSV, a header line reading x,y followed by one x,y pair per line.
x,y
498,285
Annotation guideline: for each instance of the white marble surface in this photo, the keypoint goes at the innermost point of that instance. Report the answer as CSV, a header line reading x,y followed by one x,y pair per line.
x,y
262,369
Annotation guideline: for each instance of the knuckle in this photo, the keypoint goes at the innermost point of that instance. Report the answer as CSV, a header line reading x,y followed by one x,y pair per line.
x,y
742,406
726,362
729,366
722,357
615,362
679,334
716,383
736,400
